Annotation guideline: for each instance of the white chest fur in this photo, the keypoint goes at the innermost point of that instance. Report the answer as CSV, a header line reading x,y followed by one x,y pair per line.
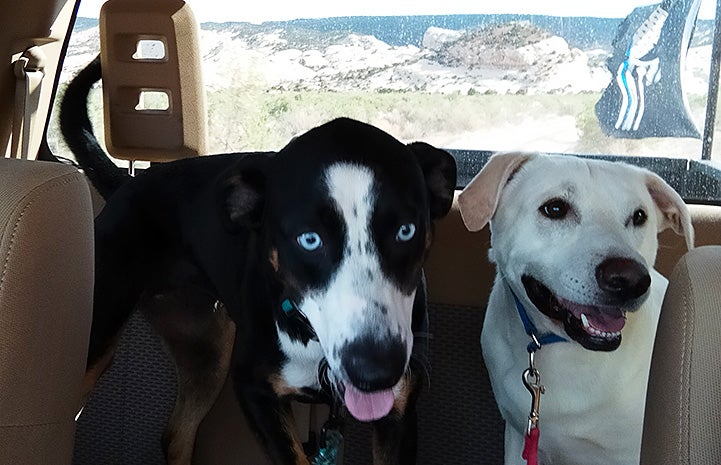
x,y
301,366
592,411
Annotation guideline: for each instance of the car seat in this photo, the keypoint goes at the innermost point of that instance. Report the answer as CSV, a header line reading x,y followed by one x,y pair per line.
x,y
682,423
46,297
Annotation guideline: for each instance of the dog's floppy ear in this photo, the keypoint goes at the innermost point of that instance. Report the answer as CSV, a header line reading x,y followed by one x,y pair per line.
x,y
479,199
242,193
439,169
673,210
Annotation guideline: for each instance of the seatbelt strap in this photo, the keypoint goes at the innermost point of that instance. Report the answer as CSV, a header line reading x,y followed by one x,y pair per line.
x,y
29,73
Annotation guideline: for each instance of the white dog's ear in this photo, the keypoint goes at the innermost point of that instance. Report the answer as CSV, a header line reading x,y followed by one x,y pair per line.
x,y
674,213
479,199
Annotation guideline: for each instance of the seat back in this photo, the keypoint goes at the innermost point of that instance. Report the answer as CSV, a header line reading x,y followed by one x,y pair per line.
x,y
682,422
46,291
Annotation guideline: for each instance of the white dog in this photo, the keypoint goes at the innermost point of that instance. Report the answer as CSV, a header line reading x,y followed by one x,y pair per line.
x,y
575,240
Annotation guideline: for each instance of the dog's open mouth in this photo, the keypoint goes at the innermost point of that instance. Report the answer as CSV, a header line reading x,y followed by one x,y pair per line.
x,y
594,327
367,406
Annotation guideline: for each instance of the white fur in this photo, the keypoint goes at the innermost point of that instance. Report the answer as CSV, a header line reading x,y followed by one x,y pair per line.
x,y
592,409
301,369
342,311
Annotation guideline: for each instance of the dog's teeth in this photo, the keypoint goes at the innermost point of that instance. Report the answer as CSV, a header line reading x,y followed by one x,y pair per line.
x,y
584,320
595,331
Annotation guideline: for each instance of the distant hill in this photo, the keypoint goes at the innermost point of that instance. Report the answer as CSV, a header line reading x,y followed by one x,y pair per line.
x,y
461,81
580,32
487,54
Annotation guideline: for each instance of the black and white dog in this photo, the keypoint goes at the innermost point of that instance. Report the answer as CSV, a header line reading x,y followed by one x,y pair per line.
x,y
305,264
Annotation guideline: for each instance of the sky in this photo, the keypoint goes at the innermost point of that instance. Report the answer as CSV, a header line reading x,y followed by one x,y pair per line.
x,y
278,10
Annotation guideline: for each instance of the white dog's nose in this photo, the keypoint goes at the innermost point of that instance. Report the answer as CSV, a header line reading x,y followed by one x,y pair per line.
x,y
623,278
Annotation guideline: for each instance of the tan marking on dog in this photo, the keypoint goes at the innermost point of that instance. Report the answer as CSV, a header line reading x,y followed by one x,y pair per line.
x,y
213,334
401,395
93,373
290,430
280,387
274,259
384,456
196,396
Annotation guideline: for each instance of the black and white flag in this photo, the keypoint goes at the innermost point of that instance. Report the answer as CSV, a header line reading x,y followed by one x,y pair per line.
x,y
645,97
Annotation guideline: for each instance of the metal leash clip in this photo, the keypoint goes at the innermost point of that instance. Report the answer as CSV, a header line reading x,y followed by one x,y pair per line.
x,y
532,381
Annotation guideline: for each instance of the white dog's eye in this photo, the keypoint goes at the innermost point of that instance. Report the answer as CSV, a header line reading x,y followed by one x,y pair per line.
x,y
310,241
406,232
639,217
555,209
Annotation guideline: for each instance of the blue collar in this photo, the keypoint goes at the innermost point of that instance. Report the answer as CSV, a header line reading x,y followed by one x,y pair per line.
x,y
537,341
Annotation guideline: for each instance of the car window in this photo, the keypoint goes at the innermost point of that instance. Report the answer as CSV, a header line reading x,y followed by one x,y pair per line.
x,y
615,78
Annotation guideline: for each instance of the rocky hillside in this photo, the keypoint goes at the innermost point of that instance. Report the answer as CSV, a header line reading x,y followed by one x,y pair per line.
x,y
510,58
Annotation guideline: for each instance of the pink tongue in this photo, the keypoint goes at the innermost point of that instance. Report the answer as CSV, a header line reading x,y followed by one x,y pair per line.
x,y
368,406
606,319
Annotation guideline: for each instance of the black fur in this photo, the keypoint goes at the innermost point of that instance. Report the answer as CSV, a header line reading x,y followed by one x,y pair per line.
x,y
78,133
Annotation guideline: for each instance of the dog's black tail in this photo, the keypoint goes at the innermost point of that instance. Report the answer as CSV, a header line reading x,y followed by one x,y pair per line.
x,y
78,133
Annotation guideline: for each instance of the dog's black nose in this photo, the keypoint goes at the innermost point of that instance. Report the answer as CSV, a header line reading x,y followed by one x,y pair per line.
x,y
373,364
623,278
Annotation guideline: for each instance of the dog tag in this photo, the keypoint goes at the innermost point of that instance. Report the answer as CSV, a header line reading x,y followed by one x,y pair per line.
x,y
331,441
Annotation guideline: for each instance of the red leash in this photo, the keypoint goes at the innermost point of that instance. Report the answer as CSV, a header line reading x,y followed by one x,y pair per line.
x,y
530,448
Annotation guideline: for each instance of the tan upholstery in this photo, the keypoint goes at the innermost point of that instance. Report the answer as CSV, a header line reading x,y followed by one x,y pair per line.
x,y
707,226
46,282
683,420
155,135
457,268
24,24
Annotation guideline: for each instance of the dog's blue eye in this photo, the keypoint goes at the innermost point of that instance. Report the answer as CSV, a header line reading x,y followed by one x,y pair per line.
x,y
310,241
406,232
